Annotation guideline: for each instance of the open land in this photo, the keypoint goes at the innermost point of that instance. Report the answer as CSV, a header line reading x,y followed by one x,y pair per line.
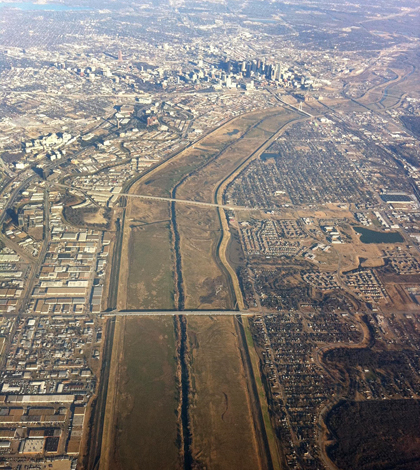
x,y
228,162
148,274
143,398
294,125
223,434
191,240
144,388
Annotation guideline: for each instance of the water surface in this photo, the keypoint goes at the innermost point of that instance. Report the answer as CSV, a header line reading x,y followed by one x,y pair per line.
x,y
371,236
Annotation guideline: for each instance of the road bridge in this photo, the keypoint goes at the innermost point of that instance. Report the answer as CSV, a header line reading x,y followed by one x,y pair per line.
x,y
92,192
151,313
189,201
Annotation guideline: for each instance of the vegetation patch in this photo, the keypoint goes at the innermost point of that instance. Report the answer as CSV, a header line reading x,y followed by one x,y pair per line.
x,y
95,217
146,398
375,435
150,277
221,423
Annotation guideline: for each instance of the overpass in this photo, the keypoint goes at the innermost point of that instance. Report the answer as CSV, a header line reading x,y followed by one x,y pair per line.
x,y
151,313
167,199
184,201
92,192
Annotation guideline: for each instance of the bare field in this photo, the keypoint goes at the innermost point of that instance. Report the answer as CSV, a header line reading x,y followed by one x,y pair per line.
x,y
272,442
222,428
148,282
202,185
111,408
144,398
351,253
161,181
389,94
343,105
150,279
205,284
147,279
97,218
142,419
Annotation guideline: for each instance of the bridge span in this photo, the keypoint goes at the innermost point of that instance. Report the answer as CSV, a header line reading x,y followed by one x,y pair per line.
x,y
151,313
89,193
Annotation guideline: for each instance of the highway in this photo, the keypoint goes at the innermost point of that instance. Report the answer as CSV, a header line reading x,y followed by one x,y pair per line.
x,y
228,207
15,193
195,203
151,313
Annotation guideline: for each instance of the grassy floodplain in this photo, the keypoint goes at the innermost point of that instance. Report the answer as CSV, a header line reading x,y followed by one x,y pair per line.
x,y
175,251
206,282
142,426
143,398
206,285
151,282
223,434
270,433
147,272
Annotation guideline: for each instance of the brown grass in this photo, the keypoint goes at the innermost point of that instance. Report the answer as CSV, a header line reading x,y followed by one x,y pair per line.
x,y
95,217
141,416
222,427
206,283
197,172
108,435
147,277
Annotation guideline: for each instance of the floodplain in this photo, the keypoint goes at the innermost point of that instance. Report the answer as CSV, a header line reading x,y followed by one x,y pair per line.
x,y
173,249
158,416
223,434
143,398
148,273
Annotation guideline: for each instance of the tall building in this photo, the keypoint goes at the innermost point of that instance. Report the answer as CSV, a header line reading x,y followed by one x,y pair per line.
x,y
278,71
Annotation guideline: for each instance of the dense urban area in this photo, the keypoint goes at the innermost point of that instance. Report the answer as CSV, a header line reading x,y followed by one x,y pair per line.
x,y
210,235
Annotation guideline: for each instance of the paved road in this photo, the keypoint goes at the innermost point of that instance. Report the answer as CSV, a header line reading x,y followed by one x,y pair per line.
x,y
156,198
15,193
229,207
195,203
139,313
